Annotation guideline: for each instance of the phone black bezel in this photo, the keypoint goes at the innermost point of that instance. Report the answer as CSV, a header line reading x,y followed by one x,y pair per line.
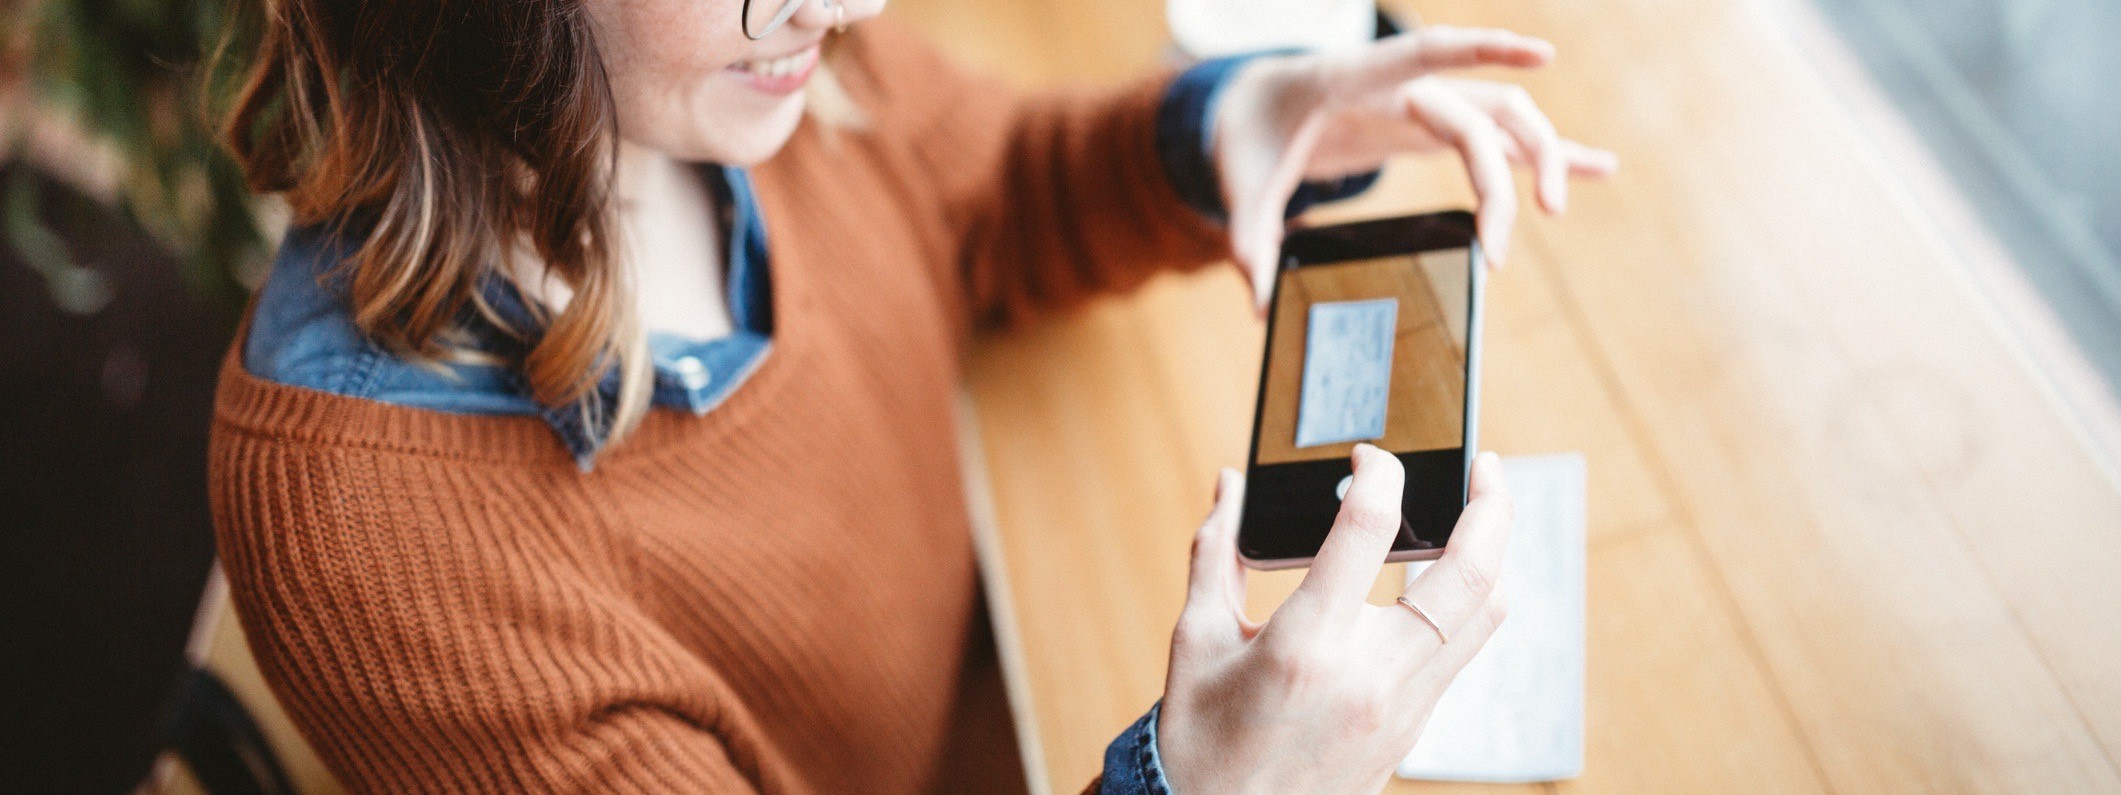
x,y
1281,495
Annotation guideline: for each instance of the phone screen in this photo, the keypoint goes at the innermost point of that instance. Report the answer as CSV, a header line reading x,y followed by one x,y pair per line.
x,y
1372,349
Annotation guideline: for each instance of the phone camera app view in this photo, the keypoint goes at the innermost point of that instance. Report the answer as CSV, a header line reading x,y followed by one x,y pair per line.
x,y
1372,336
1367,351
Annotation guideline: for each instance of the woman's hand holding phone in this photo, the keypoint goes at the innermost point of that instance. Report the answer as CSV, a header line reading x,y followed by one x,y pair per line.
x,y
1330,693
1289,118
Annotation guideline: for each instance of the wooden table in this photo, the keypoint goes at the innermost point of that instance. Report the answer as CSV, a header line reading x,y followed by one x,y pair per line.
x,y
1851,523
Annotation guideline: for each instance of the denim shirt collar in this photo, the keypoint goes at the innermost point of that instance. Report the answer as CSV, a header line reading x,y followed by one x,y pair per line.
x,y
695,375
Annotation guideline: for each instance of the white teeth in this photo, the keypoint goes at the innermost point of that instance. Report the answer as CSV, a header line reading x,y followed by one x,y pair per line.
x,y
776,68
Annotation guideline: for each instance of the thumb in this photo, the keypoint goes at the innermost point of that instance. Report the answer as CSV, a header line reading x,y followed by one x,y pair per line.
x,y
1213,591
1256,247
1257,210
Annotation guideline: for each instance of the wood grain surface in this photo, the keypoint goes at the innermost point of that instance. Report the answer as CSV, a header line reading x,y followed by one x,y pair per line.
x,y
1844,534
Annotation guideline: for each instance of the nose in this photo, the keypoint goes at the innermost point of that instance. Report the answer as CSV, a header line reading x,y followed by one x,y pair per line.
x,y
816,13
827,13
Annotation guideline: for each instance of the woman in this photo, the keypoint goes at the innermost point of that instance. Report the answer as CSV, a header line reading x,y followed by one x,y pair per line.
x,y
593,429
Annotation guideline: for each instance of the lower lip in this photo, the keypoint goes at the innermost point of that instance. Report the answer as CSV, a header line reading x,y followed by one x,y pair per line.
x,y
785,84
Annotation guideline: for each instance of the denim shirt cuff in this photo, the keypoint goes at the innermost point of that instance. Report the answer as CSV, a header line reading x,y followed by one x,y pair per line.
x,y
1132,764
1185,124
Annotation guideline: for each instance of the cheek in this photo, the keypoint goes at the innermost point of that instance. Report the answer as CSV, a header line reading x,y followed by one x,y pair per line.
x,y
659,39
672,88
648,56
711,116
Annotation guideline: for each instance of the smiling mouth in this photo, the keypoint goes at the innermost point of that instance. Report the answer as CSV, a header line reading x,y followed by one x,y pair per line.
x,y
776,68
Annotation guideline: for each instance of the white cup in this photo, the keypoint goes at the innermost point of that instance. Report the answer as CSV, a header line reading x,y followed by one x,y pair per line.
x,y
1215,28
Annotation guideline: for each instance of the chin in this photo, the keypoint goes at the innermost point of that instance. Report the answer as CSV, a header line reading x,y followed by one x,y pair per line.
x,y
752,141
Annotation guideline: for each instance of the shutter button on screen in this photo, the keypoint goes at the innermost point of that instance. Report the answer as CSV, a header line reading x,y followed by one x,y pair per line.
x,y
1340,490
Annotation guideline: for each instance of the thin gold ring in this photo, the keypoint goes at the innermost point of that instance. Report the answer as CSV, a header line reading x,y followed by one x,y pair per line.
x,y
1424,614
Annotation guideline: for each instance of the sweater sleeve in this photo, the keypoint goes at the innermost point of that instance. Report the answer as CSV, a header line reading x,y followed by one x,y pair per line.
x,y
1049,197
397,626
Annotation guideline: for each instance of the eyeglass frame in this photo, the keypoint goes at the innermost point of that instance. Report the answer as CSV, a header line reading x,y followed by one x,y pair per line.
x,y
786,13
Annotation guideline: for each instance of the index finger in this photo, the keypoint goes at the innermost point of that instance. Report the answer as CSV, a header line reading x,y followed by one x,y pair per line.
x,y
1256,222
1398,59
1480,144
1370,517
1452,590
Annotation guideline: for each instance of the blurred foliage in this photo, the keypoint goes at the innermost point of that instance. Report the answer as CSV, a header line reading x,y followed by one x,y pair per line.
x,y
134,73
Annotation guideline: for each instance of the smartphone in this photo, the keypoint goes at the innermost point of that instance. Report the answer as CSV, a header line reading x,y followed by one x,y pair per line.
x,y
1373,336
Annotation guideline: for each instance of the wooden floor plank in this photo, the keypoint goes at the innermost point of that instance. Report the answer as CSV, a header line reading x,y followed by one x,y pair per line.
x,y
2047,541
1675,700
1804,371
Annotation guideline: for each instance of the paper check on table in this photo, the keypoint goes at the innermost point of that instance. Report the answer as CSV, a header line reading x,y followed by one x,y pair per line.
x,y
1347,371
1516,712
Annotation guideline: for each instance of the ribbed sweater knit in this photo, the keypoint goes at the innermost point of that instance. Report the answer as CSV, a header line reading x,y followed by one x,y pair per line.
x,y
773,596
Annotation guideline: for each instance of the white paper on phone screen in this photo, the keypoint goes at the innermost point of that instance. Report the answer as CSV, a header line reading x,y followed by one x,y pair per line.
x,y
1347,379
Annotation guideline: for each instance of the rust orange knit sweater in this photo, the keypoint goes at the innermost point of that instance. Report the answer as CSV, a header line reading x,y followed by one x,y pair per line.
x,y
774,596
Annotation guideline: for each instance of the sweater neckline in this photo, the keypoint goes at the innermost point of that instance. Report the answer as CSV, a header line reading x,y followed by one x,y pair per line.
x,y
267,408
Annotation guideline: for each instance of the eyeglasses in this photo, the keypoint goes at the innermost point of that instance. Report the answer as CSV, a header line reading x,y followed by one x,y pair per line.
x,y
762,17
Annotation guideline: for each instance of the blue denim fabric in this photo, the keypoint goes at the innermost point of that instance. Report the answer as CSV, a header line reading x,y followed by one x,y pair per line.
x,y
1132,764
1184,125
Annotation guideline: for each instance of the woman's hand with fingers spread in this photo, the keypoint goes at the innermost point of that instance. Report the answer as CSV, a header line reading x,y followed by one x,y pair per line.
x,y
1331,692
1289,118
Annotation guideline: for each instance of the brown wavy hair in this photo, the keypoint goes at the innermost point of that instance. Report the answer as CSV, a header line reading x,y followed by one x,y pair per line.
x,y
454,135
